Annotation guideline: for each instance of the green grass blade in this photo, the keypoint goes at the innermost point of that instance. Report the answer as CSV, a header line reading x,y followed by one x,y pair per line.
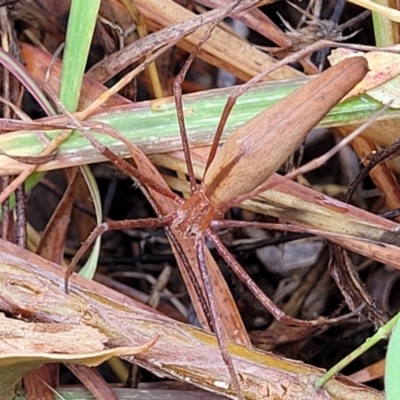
x,y
80,30
81,24
392,381
89,269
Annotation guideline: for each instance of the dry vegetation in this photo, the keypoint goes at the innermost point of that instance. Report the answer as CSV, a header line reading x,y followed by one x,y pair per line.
x,y
101,319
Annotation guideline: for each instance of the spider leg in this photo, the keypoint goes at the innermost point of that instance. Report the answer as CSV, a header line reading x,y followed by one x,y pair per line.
x,y
112,226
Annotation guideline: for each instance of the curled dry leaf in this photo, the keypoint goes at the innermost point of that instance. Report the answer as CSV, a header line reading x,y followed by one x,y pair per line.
x,y
25,346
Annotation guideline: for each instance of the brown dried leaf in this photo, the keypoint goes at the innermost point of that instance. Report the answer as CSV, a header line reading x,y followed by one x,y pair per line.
x,y
27,345
53,240
373,371
37,63
40,382
93,381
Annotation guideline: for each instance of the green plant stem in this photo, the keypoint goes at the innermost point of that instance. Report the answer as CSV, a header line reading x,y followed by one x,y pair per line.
x,y
382,333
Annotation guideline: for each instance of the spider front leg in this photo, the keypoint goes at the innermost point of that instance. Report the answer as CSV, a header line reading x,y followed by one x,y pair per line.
x,y
113,226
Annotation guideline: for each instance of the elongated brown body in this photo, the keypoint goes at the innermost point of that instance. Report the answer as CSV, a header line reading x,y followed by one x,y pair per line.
x,y
259,147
